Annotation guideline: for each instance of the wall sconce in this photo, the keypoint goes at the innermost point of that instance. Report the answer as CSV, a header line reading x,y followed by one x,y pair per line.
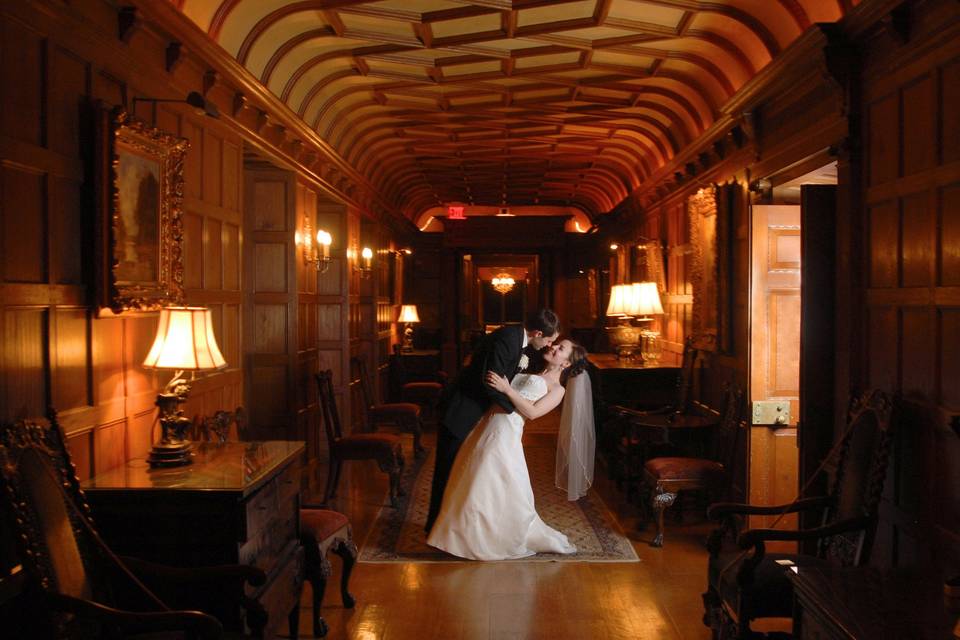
x,y
194,99
366,262
316,254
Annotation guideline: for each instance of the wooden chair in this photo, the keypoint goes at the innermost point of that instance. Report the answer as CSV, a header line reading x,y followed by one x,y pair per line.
x,y
743,586
404,415
665,477
423,390
630,447
385,448
74,585
321,530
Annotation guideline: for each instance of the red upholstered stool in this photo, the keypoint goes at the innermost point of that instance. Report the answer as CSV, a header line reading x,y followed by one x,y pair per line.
x,y
322,530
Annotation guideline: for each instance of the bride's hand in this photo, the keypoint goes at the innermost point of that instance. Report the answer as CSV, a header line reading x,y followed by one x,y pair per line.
x,y
498,382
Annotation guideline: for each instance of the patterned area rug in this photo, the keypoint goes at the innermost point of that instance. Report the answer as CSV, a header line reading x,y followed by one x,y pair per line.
x,y
397,534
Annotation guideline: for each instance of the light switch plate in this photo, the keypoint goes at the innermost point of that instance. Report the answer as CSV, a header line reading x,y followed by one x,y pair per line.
x,y
770,412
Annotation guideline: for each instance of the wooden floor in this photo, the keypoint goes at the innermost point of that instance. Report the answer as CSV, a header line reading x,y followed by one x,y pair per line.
x,y
658,597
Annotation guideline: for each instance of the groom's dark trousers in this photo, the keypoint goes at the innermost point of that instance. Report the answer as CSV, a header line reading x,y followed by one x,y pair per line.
x,y
467,399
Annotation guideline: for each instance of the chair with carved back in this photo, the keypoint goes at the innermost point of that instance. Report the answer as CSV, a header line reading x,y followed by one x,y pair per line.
x,y
629,447
404,415
74,585
321,530
745,582
421,389
665,477
385,448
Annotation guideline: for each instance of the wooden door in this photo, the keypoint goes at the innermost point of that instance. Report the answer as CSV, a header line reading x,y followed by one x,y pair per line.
x,y
270,301
775,354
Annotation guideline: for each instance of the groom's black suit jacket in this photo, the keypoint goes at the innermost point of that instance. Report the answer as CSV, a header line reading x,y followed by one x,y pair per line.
x,y
469,397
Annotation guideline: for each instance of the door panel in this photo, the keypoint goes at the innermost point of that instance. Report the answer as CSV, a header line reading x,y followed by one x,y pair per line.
x,y
775,355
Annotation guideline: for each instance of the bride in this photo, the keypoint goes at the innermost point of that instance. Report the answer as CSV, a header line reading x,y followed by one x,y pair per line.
x,y
488,510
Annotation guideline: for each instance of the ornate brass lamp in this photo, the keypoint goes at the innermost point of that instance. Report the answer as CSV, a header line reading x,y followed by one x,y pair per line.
x,y
184,342
408,315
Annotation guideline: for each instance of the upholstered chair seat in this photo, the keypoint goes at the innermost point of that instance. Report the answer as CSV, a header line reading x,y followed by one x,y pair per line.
x,y
321,531
695,469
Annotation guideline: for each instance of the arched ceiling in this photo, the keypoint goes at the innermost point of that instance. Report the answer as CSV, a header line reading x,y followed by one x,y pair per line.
x,y
515,102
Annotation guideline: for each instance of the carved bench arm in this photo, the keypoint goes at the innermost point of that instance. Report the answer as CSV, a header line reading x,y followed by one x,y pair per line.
x,y
756,537
720,510
228,573
197,624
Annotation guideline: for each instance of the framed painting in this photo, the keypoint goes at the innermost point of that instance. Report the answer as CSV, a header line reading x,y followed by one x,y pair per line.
x,y
140,199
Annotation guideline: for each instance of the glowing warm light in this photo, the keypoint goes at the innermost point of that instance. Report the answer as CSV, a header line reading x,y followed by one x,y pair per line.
x,y
614,246
620,296
503,282
645,299
185,340
324,239
367,255
408,313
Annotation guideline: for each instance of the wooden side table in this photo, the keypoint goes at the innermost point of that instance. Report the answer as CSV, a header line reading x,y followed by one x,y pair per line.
x,y
238,503
837,603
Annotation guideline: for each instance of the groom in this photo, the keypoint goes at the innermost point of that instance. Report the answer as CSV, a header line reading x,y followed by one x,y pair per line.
x,y
469,397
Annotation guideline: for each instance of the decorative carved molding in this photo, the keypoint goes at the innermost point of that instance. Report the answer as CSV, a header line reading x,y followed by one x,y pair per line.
x,y
263,118
239,104
173,56
898,23
127,23
702,212
210,80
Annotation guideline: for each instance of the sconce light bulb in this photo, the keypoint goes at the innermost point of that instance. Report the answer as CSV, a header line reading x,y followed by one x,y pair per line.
x,y
366,253
408,251
324,238
614,246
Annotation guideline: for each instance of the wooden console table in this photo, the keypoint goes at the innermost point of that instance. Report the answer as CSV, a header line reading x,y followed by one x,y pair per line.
x,y
835,603
238,503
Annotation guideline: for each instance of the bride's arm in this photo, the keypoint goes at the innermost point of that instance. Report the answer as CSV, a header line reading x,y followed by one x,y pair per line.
x,y
529,410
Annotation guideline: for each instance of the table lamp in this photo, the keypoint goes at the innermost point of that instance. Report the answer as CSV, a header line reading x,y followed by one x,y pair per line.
x,y
623,336
184,342
646,302
408,315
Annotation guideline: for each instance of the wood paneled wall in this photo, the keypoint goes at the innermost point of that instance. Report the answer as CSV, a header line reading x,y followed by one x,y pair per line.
x,y
911,232
56,350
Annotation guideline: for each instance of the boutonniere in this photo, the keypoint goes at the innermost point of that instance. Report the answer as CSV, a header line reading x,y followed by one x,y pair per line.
x,y
524,362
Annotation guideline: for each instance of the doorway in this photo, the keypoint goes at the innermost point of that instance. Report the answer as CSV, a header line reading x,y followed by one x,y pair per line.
x,y
780,301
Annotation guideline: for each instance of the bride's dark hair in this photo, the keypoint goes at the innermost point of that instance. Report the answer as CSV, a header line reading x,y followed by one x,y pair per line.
x,y
577,360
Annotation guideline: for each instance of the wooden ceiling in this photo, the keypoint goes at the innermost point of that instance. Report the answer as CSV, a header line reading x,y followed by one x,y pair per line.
x,y
506,102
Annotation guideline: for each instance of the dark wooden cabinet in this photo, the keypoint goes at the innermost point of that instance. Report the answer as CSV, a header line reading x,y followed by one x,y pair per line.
x,y
860,603
238,503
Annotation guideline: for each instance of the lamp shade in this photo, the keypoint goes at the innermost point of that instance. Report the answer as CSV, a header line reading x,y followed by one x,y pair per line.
x,y
645,299
620,295
185,340
408,313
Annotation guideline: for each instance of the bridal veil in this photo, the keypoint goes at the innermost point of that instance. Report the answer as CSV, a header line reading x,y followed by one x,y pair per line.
x,y
577,440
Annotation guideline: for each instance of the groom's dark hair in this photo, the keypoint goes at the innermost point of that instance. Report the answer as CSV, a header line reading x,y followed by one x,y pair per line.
x,y
543,320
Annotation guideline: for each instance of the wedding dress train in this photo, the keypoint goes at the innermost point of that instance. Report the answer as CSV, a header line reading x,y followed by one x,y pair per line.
x,y
488,510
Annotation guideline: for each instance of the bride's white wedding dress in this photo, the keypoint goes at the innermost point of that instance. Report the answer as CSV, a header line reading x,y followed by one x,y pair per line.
x,y
488,511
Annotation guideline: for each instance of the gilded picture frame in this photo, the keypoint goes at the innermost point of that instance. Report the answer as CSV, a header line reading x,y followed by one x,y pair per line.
x,y
140,231
704,277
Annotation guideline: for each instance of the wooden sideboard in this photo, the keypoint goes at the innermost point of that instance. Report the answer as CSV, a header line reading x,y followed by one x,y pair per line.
x,y
238,503
837,603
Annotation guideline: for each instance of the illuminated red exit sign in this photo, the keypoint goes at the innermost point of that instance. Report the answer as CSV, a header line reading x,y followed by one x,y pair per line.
x,y
455,213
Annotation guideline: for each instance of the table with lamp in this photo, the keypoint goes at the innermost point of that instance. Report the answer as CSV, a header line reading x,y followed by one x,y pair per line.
x,y
637,301
199,504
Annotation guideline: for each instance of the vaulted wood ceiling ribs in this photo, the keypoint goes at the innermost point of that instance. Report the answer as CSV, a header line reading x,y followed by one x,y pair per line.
x,y
489,102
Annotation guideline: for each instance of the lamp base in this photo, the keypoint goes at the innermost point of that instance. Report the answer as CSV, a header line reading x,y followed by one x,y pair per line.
x,y
407,345
624,340
170,454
